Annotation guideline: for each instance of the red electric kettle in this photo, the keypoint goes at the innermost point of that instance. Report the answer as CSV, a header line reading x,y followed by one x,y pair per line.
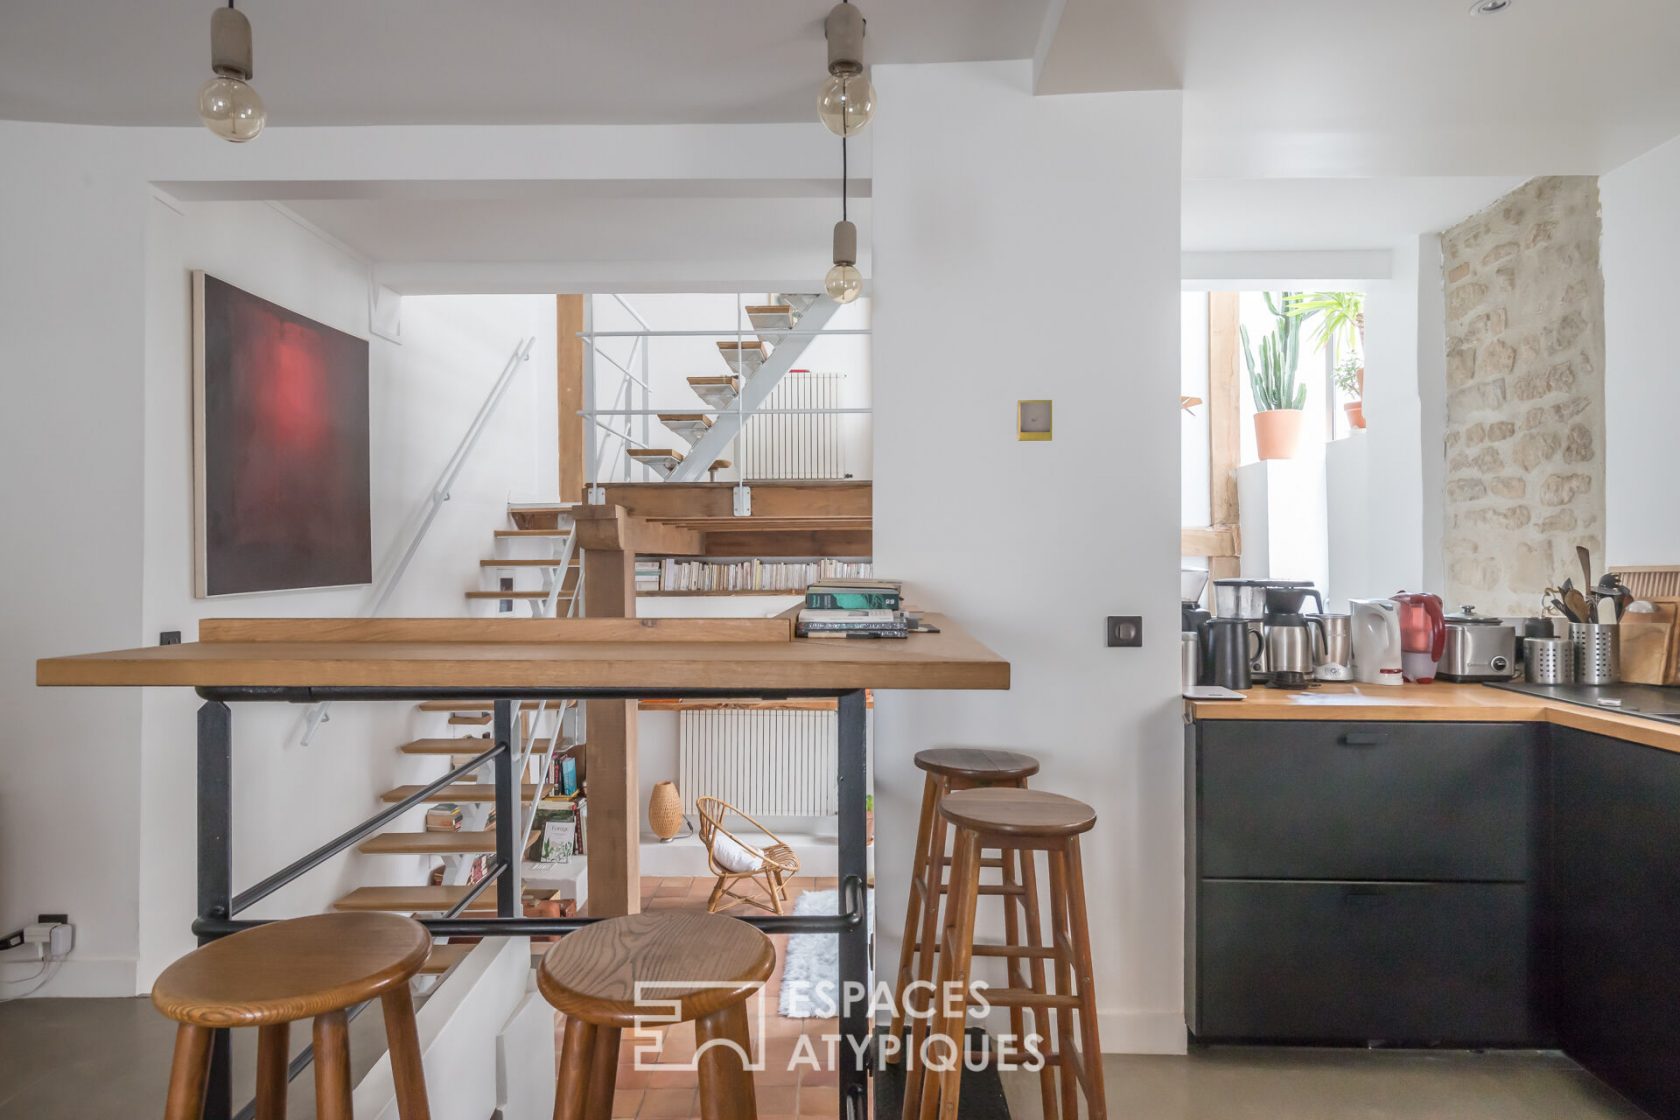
x,y
1423,634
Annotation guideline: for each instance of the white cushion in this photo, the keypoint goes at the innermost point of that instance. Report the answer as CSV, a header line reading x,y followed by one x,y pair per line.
x,y
732,855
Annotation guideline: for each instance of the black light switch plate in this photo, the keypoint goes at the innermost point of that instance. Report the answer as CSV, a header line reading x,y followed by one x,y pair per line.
x,y
1125,630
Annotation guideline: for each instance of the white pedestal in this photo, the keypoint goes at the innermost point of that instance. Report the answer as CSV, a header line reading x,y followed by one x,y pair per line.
x,y
1284,514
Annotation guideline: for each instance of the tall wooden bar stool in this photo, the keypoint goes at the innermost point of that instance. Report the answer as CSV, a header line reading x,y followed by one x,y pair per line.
x,y
949,769
269,977
668,967
1024,822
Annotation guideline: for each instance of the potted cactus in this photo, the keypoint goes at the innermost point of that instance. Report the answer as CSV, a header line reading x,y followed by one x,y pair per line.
x,y
1278,398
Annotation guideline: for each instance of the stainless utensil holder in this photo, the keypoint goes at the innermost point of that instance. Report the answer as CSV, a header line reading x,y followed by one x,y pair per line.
x,y
1597,655
1549,660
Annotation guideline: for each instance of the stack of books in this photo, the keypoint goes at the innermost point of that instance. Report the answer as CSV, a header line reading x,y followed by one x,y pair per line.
x,y
853,608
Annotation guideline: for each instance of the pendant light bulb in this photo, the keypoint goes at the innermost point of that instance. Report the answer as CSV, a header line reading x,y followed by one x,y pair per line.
x,y
844,282
227,104
847,99
846,103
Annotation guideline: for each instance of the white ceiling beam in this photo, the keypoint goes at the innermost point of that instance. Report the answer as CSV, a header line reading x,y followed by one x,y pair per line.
x,y
1109,46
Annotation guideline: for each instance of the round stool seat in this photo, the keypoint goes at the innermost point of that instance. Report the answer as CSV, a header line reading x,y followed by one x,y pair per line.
x,y
1018,812
977,764
614,972
296,969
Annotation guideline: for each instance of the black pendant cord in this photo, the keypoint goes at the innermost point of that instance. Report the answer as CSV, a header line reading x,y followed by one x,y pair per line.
x,y
843,178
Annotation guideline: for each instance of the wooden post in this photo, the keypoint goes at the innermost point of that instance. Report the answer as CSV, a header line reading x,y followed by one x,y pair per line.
x,y
568,321
614,836
1224,407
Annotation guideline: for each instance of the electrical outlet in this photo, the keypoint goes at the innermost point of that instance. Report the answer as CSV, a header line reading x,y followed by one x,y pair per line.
x,y
1125,630
49,919
169,638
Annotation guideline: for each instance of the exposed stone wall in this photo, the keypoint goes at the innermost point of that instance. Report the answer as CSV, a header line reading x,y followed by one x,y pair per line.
x,y
1525,394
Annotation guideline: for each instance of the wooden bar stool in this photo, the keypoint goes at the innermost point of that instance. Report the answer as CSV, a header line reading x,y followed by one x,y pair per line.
x,y
1023,822
667,967
269,977
949,769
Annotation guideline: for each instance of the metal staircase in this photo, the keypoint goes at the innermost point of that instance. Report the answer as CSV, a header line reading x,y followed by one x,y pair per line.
x,y
757,355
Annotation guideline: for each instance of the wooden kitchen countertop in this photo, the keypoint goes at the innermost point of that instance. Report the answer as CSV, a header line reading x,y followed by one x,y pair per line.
x,y
1440,702
660,655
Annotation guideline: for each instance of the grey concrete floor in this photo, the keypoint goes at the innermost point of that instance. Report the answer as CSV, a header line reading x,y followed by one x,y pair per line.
x,y
108,1059
1249,1083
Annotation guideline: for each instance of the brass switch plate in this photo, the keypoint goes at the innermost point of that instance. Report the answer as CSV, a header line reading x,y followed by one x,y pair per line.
x,y
1032,420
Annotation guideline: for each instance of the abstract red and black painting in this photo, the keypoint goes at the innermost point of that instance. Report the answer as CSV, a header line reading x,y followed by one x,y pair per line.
x,y
281,432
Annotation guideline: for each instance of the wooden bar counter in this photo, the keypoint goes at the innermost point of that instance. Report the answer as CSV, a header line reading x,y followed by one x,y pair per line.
x,y
1441,702
611,662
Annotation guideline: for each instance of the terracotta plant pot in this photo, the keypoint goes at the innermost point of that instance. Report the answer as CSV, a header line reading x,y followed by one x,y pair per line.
x,y
665,815
1355,413
1277,433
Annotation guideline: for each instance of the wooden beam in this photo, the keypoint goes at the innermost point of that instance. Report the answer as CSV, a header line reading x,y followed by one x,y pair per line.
x,y
568,369
1216,540
614,828
475,630
1224,406
821,542
612,528
688,500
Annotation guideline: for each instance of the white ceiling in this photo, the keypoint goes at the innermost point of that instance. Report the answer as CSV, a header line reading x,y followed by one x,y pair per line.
x,y
474,61
1251,215
1315,88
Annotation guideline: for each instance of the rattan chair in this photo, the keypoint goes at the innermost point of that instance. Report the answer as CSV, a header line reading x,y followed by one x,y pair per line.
x,y
779,864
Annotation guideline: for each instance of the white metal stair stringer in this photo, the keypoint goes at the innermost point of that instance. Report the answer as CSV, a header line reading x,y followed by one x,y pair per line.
x,y
754,391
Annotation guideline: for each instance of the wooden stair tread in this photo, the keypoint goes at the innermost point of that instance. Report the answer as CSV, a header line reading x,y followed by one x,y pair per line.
x,y
550,562
429,843
685,418
446,957
564,596
414,899
469,719
755,344
769,309
655,453
477,793
533,532
721,379
464,747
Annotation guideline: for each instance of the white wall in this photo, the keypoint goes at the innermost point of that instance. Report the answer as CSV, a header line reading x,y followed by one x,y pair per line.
x,y
1031,544
1394,364
422,394
95,784
1641,242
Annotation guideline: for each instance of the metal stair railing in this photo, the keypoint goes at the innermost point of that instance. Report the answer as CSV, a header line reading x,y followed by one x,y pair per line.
x,y
439,494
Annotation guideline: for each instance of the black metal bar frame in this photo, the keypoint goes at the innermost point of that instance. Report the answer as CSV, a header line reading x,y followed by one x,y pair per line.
x,y
217,905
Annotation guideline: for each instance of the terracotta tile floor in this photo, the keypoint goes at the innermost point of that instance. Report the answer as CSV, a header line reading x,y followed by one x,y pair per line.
x,y
782,1093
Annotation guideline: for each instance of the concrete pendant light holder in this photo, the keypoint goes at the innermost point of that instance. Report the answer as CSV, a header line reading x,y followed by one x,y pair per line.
x,y
845,243
844,29
230,43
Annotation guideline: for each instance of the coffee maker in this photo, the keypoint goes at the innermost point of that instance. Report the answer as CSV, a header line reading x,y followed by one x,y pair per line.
x,y
1247,599
1289,645
1191,584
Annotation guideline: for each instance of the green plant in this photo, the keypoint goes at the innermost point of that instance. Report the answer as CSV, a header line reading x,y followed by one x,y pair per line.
x,y
1341,318
1347,375
1272,377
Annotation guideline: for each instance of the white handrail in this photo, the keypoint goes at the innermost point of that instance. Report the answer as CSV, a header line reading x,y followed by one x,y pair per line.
x,y
439,494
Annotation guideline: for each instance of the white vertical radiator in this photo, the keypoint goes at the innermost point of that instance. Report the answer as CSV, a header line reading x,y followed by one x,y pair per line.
x,y
780,446
766,762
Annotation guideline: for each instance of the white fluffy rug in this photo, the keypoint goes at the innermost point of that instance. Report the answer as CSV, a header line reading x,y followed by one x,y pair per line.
x,y
811,973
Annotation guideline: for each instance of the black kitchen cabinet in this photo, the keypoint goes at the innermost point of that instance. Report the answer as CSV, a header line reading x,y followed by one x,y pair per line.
x,y
1612,948
1376,801
1419,962
1363,882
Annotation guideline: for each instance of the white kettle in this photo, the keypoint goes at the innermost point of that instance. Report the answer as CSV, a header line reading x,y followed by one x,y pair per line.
x,y
1376,641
